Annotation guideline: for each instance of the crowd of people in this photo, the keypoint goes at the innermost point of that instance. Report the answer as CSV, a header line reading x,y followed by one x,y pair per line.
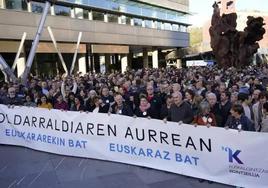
x,y
208,96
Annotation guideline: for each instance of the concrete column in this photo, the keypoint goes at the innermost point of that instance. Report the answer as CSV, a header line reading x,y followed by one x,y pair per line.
x,y
155,59
105,17
90,15
124,63
119,19
2,4
52,10
72,13
29,7
102,64
162,26
78,13
179,64
143,23
154,25
20,65
145,58
132,22
82,67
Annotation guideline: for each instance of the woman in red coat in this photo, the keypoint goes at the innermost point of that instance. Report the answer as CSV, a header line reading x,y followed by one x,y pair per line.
x,y
204,116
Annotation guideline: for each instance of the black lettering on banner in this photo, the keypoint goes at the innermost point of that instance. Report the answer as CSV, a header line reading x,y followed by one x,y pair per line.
x,y
8,119
152,134
90,126
79,128
137,135
2,119
203,143
174,139
17,118
34,119
129,133
190,142
163,137
65,128
56,127
41,122
111,130
49,124
26,121
100,129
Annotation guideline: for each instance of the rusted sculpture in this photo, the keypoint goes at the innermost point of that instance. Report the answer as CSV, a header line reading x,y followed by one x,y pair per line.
x,y
232,47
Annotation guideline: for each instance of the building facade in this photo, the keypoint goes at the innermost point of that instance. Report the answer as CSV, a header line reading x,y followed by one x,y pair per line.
x,y
115,33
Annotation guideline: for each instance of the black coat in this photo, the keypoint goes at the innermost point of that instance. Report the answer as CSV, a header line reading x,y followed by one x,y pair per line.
x,y
125,110
182,113
156,105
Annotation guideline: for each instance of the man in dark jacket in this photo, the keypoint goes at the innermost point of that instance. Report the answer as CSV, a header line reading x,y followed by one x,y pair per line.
x,y
180,110
238,120
155,102
120,107
225,107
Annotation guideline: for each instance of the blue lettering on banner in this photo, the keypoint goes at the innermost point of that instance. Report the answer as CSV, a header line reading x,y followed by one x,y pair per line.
x,y
186,159
46,139
141,152
150,153
77,143
233,155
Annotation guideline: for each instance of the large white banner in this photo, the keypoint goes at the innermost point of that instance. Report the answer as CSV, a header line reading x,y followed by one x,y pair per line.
x,y
216,154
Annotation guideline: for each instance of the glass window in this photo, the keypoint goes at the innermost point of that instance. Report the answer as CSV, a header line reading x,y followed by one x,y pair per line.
x,y
175,27
167,26
147,11
16,4
98,16
114,6
171,15
112,18
149,23
161,14
133,8
37,7
125,20
158,25
85,14
62,11
137,22
99,3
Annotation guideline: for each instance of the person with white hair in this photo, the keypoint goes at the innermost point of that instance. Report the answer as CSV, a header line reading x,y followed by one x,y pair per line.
x,y
214,107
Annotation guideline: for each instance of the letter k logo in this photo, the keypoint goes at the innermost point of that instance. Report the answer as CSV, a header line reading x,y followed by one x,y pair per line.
x,y
234,156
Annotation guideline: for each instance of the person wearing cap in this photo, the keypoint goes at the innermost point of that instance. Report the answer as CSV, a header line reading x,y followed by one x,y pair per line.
x,y
237,119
